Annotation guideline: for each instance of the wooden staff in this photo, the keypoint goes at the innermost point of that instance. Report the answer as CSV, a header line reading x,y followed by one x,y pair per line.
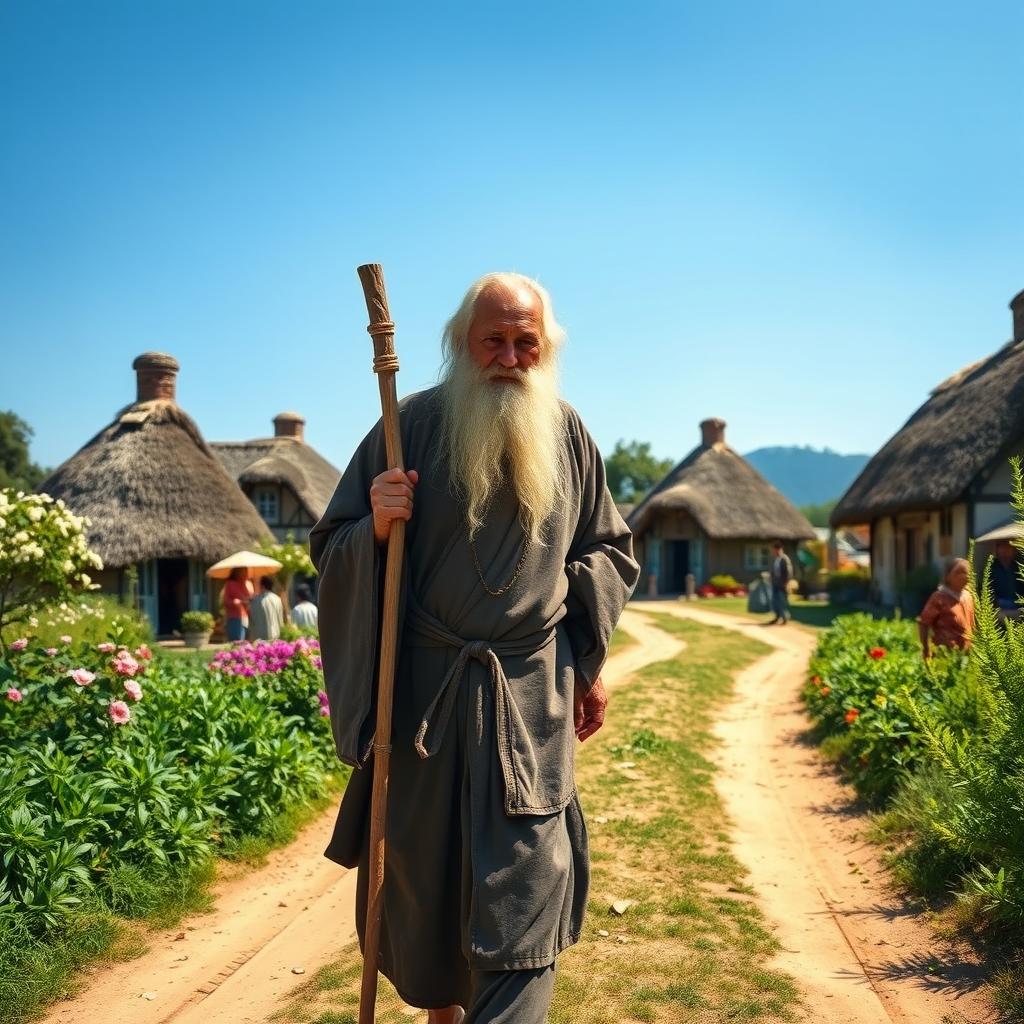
x,y
385,365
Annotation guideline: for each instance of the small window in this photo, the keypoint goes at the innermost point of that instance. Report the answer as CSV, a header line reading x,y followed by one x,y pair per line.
x,y
266,505
757,557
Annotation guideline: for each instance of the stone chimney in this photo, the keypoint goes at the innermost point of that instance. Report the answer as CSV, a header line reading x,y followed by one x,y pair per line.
x,y
156,374
712,432
289,424
1017,308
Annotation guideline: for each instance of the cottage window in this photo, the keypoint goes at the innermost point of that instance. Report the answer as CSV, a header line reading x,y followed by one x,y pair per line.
x,y
757,557
267,505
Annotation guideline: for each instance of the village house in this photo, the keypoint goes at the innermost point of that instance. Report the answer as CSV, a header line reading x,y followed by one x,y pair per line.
x,y
288,482
944,477
713,514
158,499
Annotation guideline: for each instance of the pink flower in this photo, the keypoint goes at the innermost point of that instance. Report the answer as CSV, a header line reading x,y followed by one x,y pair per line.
x,y
50,651
105,648
133,689
18,645
14,694
124,664
325,712
65,639
119,712
82,676
143,652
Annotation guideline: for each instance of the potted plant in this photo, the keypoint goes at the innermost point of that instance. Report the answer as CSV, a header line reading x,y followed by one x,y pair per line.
x,y
196,628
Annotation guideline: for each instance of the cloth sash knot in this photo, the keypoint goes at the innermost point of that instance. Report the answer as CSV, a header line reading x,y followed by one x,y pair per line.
x,y
486,652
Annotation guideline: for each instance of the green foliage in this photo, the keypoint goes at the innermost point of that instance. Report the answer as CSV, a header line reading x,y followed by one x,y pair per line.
x,y
724,584
865,676
294,558
120,770
817,515
848,585
88,620
632,470
17,470
196,622
43,557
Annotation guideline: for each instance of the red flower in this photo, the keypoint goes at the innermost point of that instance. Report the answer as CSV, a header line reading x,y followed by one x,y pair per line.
x,y
852,715
826,690
877,652
816,680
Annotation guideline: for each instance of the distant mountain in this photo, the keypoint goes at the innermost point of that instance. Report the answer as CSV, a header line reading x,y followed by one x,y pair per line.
x,y
807,476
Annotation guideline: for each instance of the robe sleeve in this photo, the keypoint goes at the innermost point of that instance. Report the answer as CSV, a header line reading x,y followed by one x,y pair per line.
x,y
599,565
348,561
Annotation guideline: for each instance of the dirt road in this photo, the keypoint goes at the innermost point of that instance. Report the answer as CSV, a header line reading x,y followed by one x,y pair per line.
x,y
855,946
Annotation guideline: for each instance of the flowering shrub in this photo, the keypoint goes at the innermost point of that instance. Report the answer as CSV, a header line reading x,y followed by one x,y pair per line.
x,y
113,760
863,675
88,620
43,556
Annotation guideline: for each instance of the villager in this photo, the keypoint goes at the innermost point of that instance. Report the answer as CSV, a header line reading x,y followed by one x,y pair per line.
x,y
782,573
1007,581
237,593
266,612
517,568
948,616
304,614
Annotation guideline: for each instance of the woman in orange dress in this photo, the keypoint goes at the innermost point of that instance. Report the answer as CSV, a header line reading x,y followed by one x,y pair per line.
x,y
948,617
236,595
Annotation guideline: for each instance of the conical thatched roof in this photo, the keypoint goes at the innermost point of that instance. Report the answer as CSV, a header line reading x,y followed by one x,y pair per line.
x,y
724,494
282,459
967,422
151,485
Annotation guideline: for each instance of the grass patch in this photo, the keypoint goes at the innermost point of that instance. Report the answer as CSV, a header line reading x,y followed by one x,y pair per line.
x,y
811,615
116,925
620,641
693,945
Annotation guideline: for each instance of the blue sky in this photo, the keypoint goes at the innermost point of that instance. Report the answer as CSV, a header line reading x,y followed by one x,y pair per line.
x,y
796,216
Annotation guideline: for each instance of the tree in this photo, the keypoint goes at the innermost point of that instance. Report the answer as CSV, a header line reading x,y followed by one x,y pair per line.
x,y
17,471
817,515
632,470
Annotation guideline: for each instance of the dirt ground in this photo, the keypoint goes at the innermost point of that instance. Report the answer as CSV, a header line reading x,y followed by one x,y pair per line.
x,y
857,948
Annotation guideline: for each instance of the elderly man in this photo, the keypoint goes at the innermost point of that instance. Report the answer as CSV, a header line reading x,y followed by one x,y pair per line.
x,y
518,566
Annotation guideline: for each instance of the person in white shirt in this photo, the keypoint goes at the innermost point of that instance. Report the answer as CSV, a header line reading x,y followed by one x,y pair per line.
x,y
304,614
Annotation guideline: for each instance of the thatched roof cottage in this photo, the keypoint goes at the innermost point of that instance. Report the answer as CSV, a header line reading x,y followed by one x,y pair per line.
x,y
158,498
943,478
712,514
289,482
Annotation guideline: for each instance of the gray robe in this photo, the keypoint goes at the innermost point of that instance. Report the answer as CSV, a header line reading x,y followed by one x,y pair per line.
x,y
486,850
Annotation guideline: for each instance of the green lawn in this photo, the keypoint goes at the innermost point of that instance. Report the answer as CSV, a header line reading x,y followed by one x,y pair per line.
x,y
693,944
814,615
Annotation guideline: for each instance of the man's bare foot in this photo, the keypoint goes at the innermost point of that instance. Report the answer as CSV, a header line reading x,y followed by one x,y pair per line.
x,y
449,1015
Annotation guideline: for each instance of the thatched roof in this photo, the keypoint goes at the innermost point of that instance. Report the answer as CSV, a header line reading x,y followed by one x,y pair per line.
x,y
282,460
969,420
153,489
724,494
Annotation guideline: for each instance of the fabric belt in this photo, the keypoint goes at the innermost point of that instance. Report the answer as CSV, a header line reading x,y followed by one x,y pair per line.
x,y
487,652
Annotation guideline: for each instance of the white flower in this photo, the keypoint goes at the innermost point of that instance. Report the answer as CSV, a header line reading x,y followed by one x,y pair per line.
x,y
86,579
35,513
68,566
21,537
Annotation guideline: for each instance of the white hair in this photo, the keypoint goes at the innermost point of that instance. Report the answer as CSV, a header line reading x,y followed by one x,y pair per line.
x,y
516,434
456,331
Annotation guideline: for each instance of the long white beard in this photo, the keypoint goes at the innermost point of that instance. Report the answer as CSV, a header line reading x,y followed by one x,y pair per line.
x,y
497,431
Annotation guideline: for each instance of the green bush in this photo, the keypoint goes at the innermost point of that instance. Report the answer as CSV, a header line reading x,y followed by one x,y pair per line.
x,y
88,620
863,675
117,766
846,586
724,583
196,622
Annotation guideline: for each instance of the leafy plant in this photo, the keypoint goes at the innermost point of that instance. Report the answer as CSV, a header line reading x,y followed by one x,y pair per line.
x,y
196,622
